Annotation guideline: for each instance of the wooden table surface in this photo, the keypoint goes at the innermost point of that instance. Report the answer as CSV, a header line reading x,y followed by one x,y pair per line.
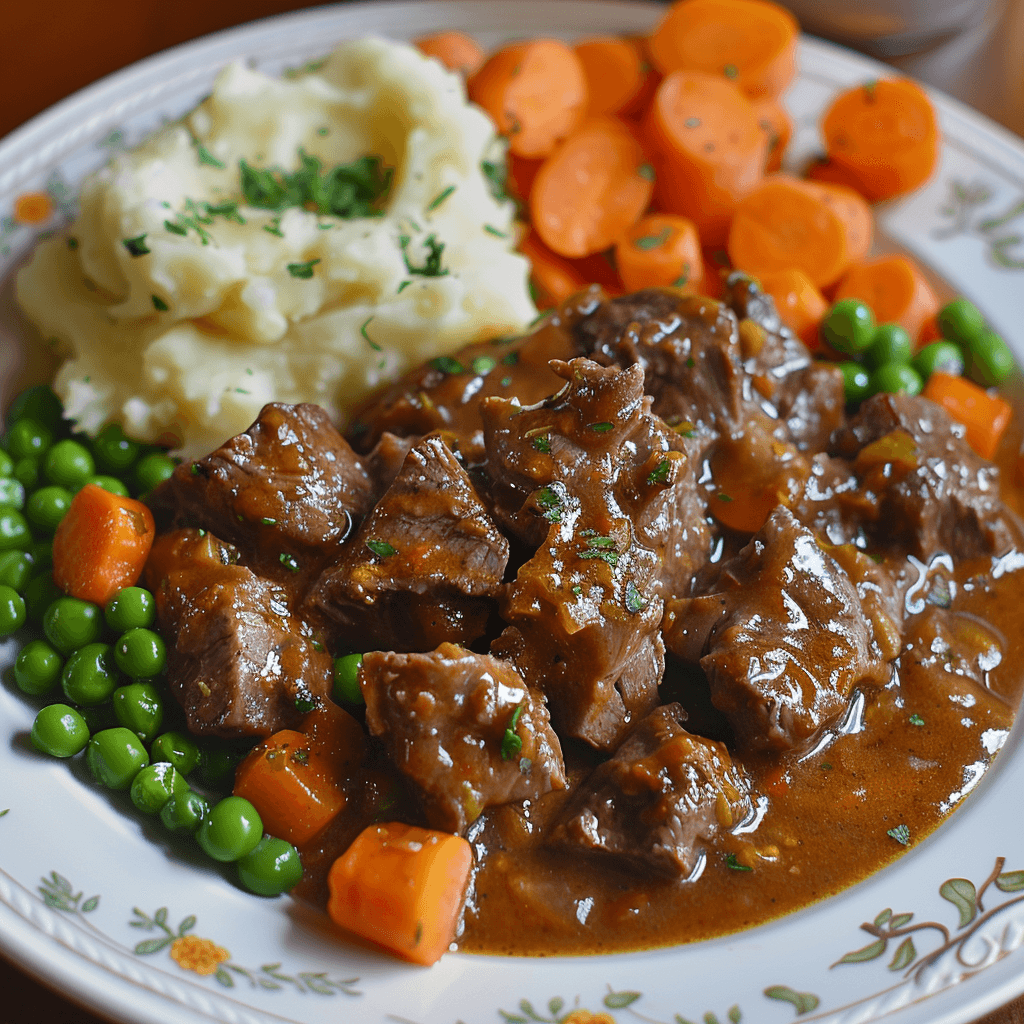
x,y
56,47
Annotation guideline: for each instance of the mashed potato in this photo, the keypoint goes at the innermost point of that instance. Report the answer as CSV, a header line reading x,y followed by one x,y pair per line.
x,y
230,261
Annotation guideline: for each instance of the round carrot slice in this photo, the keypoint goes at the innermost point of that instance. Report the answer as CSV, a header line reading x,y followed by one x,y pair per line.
x,y
853,209
455,50
552,279
614,71
800,305
661,250
774,120
896,290
591,190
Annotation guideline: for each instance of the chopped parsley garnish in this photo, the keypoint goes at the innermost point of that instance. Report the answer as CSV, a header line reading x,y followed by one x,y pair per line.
x,y
447,365
267,521
72,243
577,590
136,246
274,228
483,364
690,364
366,336
440,197
683,278
510,359
550,502
901,833
381,548
541,442
401,288
648,242
601,428
206,157
432,267
733,864
603,548
869,89
496,174
195,469
228,209
303,271
158,304
505,381
722,496
916,720
635,601
289,561
176,229
646,171
731,71
511,742
497,232
826,766
303,706
685,428
659,475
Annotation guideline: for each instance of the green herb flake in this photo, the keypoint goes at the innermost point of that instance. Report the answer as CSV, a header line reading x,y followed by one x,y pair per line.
x,y
497,232
432,266
267,521
550,503
322,131
195,469
174,228
577,590
447,365
685,429
6,810
722,496
505,381
648,242
901,833
483,364
826,766
496,173
228,209
401,288
274,228
916,720
366,337
510,359
870,86
603,548
206,157
72,243
303,271
288,561
542,442
690,364
303,707
511,742
158,304
734,865
635,601
731,71
600,428
660,473
136,246
646,171
440,197
381,548
684,278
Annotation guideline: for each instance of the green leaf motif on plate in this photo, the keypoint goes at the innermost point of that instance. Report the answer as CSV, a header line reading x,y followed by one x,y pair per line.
x,y
803,1002
620,1000
1010,881
870,952
906,954
963,895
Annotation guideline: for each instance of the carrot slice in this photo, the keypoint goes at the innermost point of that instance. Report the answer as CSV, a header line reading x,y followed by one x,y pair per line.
x,y
101,544
661,250
786,223
599,269
751,42
709,150
535,92
885,135
774,120
552,279
801,306
828,172
896,290
402,887
594,187
455,50
986,416
521,175
614,70
853,209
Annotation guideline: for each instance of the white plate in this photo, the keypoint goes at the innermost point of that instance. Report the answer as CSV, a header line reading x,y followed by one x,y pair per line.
x,y
75,863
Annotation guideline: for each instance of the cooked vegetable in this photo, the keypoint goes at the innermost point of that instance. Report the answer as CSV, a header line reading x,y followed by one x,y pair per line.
x,y
402,887
16,569
68,464
346,679
154,785
231,829
271,868
90,676
130,608
989,359
895,288
101,544
140,707
939,357
856,383
552,279
614,69
661,250
801,305
59,731
960,321
895,379
14,531
184,811
985,416
849,326
37,668
455,50
140,653
46,508
853,210
181,750
115,757
70,623
12,610
889,344
774,120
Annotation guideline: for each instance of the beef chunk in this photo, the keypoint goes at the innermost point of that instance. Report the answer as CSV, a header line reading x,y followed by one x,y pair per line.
x,y
463,728
782,637
609,490
422,566
925,488
287,492
659,801
811,405
239,661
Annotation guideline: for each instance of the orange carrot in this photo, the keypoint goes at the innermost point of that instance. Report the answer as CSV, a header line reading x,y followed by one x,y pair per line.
x,y
716,268
101,544
885,135
615,73
594,187
651,80
785,223
599,269
801,306
986,416
852,208
535,92
402,887
521,174
896,290
455,50
709,151
751,42
828,172
661,250
552,279
774,120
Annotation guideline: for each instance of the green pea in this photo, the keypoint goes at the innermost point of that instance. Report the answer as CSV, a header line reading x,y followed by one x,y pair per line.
x,y
114,452
40,593
140,707
140,653
47,507
111,484
26,472
70,623
59,731
14,531
155,785
151,470
231,829
12,493
184,812
68,464
12,610
130,608
939,357
115,757
271,868
37,668
889,344
849,326
89,676
346,679
37,403
960,320
181,750
990,360
6,463
896,379
28,439
16,569
855,382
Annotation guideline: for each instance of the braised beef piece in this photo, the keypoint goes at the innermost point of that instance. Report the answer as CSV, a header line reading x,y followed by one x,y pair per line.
x,y
239,661
444,394
782,636
924,489
607,492
287,492
659,802
423,566
463,728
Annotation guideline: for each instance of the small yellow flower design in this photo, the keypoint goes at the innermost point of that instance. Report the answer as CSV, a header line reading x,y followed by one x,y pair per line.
x,y
203,956
586,1017
33,208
